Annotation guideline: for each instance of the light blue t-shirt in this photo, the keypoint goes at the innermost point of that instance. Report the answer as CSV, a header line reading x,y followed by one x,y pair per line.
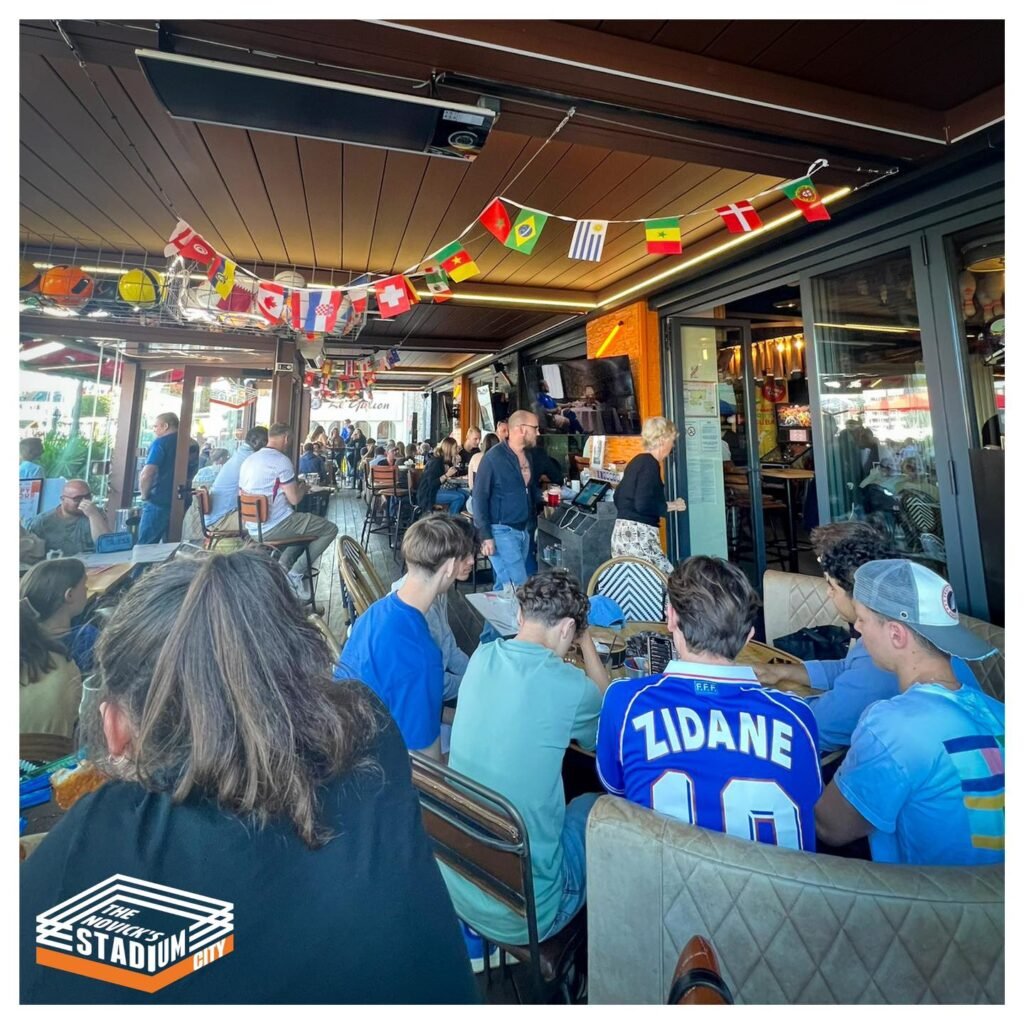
x,y
925,768
852,684
390,649
224,492
30,471
519,707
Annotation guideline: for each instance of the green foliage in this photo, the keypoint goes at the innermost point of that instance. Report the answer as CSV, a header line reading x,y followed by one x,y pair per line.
x,y
95,405
66,456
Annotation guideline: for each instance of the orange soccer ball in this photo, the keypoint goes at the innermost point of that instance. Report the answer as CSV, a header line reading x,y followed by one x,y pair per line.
x,y
67,286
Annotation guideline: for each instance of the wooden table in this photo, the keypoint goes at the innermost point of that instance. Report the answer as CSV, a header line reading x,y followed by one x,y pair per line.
x,y
99,582
787,476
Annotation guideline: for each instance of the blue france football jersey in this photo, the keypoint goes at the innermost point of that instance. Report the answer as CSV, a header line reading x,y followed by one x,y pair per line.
x,y
708,745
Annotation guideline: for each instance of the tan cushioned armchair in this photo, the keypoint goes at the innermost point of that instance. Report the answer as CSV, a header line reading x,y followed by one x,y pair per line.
x,y
793,601
788,927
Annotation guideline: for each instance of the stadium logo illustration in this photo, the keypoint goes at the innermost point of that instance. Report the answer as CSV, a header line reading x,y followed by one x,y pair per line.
x,y
135,933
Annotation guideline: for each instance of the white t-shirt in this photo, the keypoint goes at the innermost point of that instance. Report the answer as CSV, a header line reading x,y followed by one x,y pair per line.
x,y
265,472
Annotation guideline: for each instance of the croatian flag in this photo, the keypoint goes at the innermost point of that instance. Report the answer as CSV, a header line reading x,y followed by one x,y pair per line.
x,y
588,240
739,217
314,311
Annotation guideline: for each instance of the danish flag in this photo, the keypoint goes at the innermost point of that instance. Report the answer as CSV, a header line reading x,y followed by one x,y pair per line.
x,y
739,217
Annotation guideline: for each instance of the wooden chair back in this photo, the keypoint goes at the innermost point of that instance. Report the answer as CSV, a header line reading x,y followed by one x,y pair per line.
x,y
253,508
332,640
358,575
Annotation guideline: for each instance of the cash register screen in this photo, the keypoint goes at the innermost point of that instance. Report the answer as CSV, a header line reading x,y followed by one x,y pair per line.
x,y
591,494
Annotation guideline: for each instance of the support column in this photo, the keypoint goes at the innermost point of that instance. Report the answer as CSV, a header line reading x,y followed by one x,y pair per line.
x,y
188,391
129,414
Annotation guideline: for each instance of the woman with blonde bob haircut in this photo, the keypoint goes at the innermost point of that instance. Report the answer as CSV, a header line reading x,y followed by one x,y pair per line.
x,y
242,777
640,497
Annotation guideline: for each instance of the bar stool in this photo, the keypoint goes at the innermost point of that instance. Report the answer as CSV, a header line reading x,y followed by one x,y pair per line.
x,y
383,486
255,508
212,537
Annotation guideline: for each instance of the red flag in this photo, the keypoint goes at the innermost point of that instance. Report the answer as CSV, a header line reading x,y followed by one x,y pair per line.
x,y
739,217
270,301
190,245
496,219
806,199
394,296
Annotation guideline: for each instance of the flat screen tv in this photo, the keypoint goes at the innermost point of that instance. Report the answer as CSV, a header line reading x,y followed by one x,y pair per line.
x,y
583,396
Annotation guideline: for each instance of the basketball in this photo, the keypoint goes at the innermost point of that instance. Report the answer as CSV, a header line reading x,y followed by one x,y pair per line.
x,y
290,279
67,286
29,277
142,287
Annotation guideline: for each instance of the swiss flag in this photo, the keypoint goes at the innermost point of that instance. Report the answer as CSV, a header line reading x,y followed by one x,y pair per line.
x,y
739,217
394,296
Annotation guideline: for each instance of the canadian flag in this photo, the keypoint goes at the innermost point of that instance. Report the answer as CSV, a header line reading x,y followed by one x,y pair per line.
x,y
394,296
270,301
739,217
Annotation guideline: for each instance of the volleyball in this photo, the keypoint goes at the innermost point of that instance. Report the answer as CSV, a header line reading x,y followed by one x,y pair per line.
x,y
67,286
142,287
290,279
29,277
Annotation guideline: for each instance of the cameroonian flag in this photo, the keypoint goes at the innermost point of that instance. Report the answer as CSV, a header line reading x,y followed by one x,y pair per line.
x,y
663,235
806,199
526,230
436,281
457,262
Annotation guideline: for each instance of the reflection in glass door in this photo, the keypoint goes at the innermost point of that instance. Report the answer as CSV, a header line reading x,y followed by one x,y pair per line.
x,y
875,411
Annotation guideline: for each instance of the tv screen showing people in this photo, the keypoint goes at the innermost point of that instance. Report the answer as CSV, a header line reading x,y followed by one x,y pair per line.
x,y
583,396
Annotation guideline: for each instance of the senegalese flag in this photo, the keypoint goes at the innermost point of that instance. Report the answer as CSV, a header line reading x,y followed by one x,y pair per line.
x,y
663,235
457,262
526,230
437,281
806,199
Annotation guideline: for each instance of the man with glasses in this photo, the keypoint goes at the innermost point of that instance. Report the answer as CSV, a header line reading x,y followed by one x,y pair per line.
x,y
74,525
505,496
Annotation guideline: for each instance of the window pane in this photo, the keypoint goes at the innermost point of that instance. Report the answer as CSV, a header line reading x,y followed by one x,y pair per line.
x,y
875,411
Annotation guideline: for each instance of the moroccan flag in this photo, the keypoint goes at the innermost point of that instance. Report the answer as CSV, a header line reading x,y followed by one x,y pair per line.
x,y
526,230
663,235
221,273
395,295
457,262
436,281
806,199
496,219
270,301
189,244
740,217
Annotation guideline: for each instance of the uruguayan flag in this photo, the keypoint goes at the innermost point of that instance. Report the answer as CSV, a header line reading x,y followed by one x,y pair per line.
x,y
588,240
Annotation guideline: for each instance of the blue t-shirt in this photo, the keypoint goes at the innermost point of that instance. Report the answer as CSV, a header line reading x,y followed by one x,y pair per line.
x,y
853,684
161,455
925,768
546,401
30,471
391,650
708,745
310,462
224,492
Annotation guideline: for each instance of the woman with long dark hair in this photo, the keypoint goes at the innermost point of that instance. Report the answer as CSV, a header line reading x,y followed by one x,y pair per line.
x,y
441,469
52,593
56,592
239,772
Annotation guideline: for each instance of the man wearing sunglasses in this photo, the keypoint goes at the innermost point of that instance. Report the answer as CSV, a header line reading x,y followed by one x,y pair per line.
x,y
74,525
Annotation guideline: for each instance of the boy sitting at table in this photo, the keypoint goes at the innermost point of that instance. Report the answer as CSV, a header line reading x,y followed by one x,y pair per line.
x,y
703,742
520,704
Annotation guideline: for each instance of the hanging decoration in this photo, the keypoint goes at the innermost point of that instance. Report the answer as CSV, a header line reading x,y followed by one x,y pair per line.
x,y
664,236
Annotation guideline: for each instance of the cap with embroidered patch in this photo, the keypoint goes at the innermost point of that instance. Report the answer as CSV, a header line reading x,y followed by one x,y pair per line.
x,y
922,600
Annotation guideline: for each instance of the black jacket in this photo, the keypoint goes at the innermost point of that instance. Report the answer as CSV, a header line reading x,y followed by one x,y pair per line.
x,y
430,484
641,495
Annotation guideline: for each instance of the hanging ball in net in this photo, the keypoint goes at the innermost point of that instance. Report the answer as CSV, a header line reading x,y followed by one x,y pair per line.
x,y
290,279
142,287
67,286
29,277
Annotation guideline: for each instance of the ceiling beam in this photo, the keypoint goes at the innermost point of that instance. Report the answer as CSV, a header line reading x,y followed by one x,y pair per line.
x,y
417,344
980,112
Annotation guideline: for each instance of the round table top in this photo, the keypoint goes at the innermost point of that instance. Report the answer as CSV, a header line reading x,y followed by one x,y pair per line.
x,y
789,474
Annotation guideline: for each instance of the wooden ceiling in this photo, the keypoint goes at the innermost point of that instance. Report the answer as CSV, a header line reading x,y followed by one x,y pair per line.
x,y
105,170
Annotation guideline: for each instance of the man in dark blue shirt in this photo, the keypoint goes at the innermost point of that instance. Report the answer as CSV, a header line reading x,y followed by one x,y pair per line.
x,y
156,482
310,462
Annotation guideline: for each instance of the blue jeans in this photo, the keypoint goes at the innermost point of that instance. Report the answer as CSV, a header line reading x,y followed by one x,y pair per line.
x,y
154,523
574,862
454,499
509,559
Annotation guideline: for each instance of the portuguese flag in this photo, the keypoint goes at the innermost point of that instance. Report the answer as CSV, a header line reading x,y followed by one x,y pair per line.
x,y
663,235
457,262
806,199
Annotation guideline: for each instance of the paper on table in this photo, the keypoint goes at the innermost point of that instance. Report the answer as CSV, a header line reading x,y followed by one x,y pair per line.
x,y
139,555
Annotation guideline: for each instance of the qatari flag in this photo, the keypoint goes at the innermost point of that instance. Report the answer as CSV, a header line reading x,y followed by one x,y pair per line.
x,y
190,245
739,217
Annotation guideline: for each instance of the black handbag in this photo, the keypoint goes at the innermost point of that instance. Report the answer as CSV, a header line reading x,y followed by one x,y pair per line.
x,y
816,643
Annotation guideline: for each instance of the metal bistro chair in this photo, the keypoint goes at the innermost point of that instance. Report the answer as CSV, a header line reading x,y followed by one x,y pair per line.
x,y
360,584
255,508
212,537
634,584
481,836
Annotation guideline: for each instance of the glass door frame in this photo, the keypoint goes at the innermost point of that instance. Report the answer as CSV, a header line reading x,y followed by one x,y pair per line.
x,y
673,377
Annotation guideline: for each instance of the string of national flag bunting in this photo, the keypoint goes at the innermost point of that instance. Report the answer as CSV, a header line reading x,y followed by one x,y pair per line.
x,y
317,311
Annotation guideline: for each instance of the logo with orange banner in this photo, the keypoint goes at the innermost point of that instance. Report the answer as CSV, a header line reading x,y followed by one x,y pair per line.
x,y
134,933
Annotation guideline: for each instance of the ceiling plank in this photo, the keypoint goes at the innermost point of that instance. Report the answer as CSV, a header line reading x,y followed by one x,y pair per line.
x,y
403,180
278,159
363,171
320,163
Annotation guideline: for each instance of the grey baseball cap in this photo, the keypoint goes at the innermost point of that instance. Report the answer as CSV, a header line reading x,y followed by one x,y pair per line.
x,y
922,600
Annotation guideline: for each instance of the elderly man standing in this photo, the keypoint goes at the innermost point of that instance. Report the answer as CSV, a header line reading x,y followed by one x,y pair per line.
x,y
74,525
270,472
156,482
504,497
